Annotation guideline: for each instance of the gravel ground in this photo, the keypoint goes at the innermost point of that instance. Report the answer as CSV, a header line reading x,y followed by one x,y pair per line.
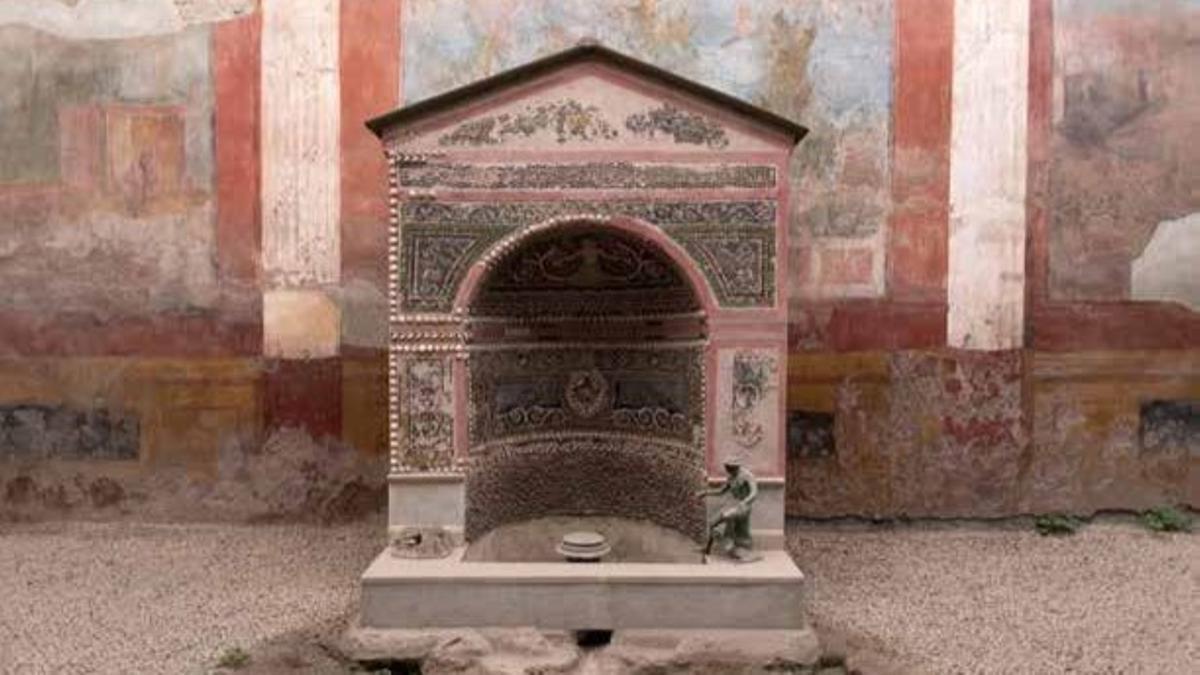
x,y
999,598
136,598
943,598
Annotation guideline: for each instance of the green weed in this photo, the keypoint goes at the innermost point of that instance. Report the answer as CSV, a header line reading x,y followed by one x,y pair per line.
x,y
233,658
1167,519
1057,524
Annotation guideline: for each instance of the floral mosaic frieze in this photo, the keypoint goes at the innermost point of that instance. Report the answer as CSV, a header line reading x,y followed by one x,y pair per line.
x,y
592,175
425,406
654,392
759,212
590,270
731,241
682,126
568,120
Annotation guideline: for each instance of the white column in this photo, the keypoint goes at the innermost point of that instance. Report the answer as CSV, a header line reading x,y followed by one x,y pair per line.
x,y
301,190
986,285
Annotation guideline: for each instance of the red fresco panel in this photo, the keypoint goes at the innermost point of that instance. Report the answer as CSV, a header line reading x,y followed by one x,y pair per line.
x,y
370,81
1041,76
918,227
166,334
305,394
236,68
867,325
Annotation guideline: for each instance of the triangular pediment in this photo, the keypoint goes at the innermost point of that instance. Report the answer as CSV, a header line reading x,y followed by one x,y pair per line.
x,y
586,97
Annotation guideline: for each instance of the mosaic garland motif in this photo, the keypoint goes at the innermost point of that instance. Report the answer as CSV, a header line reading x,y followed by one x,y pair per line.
x,y
596,175
568,119
593,475
753,377
571,121
591,259
590,271
741,274
681,125
430,423
522,392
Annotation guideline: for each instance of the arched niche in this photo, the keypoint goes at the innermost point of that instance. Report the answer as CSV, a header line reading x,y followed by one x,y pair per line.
x,y
585,373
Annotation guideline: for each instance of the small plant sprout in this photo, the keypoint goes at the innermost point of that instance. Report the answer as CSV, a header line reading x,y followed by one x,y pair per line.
x,y
1167,519
233,658
1056,524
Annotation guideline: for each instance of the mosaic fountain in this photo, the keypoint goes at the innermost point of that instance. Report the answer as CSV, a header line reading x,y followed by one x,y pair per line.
x,y
588,320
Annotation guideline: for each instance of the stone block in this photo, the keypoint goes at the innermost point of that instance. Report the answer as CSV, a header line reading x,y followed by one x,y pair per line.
x,y
635,651
416,500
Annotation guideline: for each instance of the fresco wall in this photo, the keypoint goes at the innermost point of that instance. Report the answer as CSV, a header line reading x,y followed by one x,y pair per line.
x,y
132,222
1071,421
131,371
1124,164
1113,173
108,188
827,64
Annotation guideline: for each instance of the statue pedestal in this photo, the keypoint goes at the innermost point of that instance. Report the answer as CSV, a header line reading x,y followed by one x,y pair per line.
x,y
450,592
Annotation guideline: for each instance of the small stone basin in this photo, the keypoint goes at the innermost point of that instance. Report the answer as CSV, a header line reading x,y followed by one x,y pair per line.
x,y
583,546
540,540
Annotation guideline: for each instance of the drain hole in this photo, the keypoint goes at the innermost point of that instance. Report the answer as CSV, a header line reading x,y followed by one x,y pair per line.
x,y
591,638
402,667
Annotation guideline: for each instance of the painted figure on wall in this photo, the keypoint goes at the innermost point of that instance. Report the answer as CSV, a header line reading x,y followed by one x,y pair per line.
x,y
732,524
752,375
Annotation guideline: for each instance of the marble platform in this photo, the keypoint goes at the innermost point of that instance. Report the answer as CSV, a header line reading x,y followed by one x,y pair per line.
x,y
450,592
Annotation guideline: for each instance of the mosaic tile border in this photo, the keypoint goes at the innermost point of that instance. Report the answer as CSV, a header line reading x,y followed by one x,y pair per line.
x,y
732,242
759,212
593,175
